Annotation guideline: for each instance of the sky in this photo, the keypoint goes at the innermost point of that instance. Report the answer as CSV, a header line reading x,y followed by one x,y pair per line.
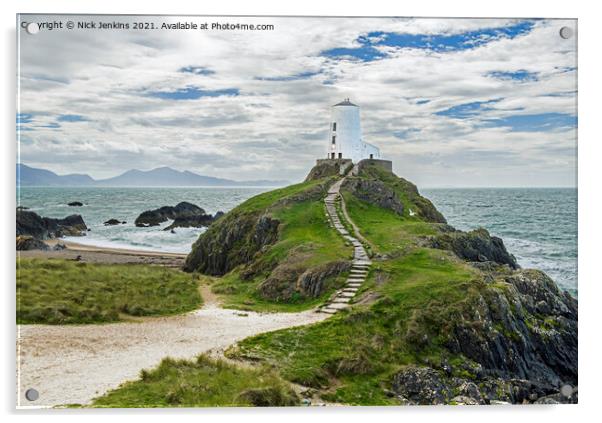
x,y
451,102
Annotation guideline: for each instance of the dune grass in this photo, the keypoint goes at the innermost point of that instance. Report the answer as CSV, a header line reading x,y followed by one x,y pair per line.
x,y
63,292
203,382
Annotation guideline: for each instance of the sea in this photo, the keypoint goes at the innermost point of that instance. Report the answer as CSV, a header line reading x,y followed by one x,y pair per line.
x,y
538,225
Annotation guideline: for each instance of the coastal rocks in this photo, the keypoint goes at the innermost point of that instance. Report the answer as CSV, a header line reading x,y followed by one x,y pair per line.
x,y
75,204
26,242
233,240
184,215
476,246
421,385
512,337
112,222
30,223
374,192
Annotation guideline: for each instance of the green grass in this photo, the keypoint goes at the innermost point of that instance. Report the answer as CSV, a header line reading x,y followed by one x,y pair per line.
x,y
386,230
357,351
305,237
204,382
61,292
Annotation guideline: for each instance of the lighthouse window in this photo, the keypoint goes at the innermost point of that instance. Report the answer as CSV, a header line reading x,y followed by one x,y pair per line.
x,y
334,126
333,139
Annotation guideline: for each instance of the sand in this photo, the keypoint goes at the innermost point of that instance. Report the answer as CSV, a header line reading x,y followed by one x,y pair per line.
x,y
72,364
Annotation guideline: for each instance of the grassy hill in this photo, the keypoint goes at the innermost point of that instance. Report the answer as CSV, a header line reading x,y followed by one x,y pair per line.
x,y
444,317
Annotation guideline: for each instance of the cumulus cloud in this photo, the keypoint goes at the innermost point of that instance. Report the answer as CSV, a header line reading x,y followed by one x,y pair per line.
x,y
449,101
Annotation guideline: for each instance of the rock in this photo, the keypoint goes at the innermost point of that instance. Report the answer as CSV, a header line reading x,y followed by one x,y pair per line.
x,y
75,204
184,215
311,283
233,240
374,192
59,247
464,400
26,242
326,168
421,385
112,222
30,223
475,246
506,332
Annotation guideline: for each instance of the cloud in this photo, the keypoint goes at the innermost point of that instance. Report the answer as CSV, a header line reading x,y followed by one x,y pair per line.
x,y
256,105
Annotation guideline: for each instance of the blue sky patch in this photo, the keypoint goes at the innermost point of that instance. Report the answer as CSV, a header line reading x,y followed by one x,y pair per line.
x,y
441,43
541,122
519,75
71,118
467,110
51,125
193,93
197,70
24,118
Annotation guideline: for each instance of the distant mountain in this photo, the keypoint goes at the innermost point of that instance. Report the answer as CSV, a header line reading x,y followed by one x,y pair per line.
x,y
31,176
162,176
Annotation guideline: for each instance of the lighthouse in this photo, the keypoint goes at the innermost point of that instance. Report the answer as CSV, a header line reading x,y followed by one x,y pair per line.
x,y
345,141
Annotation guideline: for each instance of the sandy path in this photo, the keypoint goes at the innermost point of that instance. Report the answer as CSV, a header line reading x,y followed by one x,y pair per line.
x,y
74,364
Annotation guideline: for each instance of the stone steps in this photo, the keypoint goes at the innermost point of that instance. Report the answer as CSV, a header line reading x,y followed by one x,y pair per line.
x,y
360,264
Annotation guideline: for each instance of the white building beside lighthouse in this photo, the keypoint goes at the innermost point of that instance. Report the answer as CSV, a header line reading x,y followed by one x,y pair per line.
x,y
345,141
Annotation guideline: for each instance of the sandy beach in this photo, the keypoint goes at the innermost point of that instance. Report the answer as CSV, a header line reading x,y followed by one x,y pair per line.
x,y
72,364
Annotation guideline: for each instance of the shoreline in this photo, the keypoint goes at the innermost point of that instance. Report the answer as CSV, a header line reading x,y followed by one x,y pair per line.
x,y
104,255
76,246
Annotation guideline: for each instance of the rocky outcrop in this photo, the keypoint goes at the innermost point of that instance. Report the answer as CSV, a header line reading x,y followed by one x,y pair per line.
x,y
75,204
112,222
184,215
312,282
234,241
26,242
328,168
374,192
30,223
476,246
293,276
385,189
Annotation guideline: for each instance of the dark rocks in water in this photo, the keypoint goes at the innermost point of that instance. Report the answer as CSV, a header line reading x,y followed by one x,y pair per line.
x,y
477,245
75,204
27,242
112,222
190,222
374,192
184,215
30,223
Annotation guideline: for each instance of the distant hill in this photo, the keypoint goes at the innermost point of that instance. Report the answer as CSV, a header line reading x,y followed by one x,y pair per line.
x,y
162,176
31,176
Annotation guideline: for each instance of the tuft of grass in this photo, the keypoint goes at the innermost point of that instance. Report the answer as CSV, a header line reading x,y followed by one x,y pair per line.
x,y
204,382
63,292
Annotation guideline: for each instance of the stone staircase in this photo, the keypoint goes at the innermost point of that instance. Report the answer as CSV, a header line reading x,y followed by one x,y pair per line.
x,y
361,262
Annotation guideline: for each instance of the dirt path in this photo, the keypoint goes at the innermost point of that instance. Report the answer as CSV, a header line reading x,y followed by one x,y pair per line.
x,y
73,364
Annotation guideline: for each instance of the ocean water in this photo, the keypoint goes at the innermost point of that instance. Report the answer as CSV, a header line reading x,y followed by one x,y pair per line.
x,y
538,226
125,204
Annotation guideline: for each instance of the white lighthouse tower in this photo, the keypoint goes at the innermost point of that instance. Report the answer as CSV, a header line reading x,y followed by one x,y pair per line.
x,y
345,140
